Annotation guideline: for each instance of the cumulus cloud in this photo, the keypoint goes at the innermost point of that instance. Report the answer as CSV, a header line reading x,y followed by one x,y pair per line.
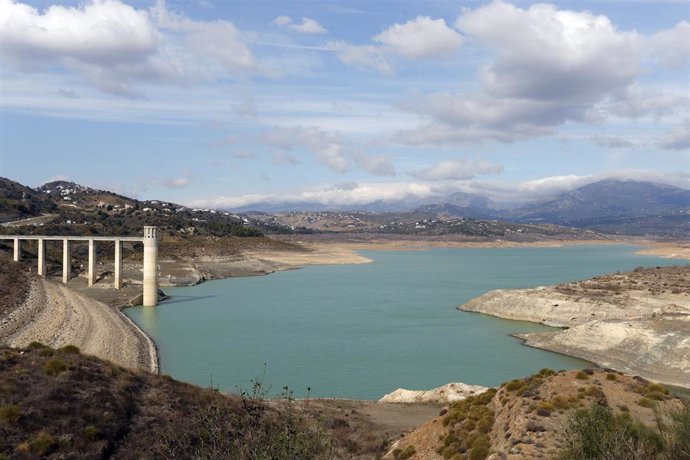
x,y
307,26
115,46
678,138
548,67
671,47
420,38
546,53
460,169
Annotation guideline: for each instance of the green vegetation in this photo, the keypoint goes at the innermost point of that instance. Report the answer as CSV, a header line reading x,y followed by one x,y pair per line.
x,y
596,433
469,422
403,454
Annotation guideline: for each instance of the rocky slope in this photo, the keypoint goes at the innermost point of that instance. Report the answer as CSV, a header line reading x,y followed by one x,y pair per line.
x,y
529,418
637,321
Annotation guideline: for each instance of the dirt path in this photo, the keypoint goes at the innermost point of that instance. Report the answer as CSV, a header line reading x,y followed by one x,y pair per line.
x,y
55,315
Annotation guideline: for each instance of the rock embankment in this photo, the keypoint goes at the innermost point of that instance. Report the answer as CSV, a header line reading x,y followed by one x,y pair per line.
x,y
55,315
637,322
447,393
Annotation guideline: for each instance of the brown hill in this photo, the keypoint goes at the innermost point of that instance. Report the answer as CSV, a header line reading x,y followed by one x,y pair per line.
x,y
543,416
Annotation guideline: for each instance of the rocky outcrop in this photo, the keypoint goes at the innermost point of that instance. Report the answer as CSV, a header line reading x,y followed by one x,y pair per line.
x,y
441,395
637,322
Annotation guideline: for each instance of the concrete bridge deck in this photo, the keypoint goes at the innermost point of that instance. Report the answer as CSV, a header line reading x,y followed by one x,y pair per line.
x,y
150,240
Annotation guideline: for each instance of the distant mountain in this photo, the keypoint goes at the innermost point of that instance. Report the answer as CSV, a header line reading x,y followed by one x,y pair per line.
x,y
606,200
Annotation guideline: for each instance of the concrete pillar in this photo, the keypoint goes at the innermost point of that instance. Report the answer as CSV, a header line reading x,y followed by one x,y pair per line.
x,y
92,262
118,264
66,260
17,249
150,266
41,257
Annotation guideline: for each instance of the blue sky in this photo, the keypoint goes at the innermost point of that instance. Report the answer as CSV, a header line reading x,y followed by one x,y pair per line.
x,y
226,104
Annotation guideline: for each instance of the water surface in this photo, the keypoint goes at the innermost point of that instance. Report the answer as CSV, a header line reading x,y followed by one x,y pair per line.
x,y
360,331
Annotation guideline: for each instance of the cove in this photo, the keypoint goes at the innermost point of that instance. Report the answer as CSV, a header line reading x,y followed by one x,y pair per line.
x,y
360,331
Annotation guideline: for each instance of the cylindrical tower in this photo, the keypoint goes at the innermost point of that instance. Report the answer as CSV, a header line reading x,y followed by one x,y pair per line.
x,y
150,266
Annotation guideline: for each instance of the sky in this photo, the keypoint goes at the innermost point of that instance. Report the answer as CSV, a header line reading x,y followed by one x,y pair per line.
x,y
225,104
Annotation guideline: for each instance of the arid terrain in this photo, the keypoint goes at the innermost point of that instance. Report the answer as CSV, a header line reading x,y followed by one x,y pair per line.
x,y
637,322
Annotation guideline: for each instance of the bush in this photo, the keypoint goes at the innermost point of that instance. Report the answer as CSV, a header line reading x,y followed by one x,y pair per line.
x,y
646,402
479,453
43,444
595,433
677,434
70,349
54,367
581,375
9,415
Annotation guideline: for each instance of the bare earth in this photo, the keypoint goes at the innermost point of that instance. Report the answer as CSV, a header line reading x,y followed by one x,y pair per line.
x,y
636,322
56,315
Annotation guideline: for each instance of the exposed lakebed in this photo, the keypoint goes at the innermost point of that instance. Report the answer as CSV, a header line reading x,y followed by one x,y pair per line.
x,y
360,331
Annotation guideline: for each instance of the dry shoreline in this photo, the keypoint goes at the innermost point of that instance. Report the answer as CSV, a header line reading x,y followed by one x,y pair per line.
x,y
56,315
636,322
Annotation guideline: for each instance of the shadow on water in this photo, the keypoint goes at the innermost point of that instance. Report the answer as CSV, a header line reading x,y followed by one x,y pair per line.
x,y
188,298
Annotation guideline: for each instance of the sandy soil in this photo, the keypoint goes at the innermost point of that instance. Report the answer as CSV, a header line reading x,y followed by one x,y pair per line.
x,y
677,250
56,315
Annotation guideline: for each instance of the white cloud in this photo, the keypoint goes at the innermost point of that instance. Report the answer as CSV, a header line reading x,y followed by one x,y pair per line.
x,y
678,138
548,67
460,169
116,47
99,33
546,53
327,147
671,47
307,26
420,38
354,194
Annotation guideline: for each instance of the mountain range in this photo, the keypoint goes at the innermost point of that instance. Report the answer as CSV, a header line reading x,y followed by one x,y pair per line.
x,y
609,206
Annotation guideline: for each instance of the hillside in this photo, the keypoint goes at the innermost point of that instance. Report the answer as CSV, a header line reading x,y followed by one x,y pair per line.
x,y
607,200
19,202
596,414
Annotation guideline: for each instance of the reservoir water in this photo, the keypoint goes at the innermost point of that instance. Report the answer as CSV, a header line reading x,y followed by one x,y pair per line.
x,y
360,331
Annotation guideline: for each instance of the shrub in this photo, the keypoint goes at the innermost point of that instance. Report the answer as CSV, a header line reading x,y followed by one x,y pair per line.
x,y
646,402
54,367
70,349
403,454
595,433
9,415
678,434
43,444
581,375
479,453
611,376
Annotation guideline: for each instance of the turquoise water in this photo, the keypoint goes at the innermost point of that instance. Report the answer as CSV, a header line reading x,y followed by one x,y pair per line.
x,y
360,331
